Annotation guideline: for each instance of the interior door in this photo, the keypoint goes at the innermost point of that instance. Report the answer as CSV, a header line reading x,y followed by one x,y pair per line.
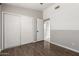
x,y
40,30
47,30
11,30
27,29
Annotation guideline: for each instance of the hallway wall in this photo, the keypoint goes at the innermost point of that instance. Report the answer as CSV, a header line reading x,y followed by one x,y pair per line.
x,y
64,24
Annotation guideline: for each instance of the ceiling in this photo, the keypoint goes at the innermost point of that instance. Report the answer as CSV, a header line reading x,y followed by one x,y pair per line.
x,y
35,6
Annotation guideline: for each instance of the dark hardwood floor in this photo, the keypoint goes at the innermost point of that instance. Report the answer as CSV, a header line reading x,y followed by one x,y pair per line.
x,y
41,48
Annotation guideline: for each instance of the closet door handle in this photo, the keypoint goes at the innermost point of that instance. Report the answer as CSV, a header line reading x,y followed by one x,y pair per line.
x,y
37,31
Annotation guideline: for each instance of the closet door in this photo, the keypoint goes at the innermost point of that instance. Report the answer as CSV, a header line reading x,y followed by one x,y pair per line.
x,y
27,30
11,30
40,30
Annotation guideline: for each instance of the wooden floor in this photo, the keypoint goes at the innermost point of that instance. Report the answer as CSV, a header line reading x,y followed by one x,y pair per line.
x,y
41,48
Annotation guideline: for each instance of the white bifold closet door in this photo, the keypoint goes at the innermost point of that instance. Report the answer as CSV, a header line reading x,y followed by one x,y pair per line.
x,y
11,30
27,29
18,30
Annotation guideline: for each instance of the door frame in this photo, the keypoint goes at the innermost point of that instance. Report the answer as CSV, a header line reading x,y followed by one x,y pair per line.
x,y
45,20
38,29
35,29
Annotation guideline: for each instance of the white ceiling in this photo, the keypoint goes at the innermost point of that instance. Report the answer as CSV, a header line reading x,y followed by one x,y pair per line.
x,y
35,6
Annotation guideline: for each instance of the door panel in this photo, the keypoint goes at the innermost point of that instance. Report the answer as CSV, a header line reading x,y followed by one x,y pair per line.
x,y
27,30
47,30
40,30
11,30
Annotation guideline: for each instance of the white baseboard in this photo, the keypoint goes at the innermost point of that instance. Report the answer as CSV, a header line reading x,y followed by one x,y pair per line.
x,y
37,41
65,47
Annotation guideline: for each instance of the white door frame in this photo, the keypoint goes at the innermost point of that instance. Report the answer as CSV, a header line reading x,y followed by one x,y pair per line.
x,y
40,31
48,19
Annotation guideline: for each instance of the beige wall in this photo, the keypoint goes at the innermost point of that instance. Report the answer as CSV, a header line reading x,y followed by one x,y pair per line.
x,y
64,24
23,11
